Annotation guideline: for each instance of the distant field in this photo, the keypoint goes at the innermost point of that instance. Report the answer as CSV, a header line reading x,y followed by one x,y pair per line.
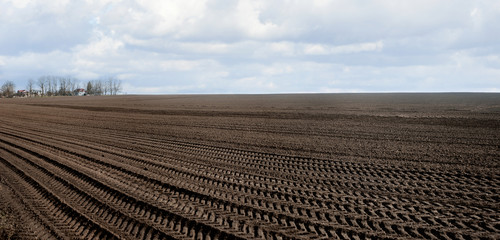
x,y
290,166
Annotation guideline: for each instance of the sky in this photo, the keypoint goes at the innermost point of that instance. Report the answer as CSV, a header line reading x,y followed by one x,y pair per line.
x,y
258,46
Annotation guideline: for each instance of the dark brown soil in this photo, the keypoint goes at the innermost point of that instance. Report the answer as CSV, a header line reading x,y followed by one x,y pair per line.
x,y
298,166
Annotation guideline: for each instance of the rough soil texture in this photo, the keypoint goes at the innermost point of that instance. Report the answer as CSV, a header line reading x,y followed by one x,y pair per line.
x,y
319,166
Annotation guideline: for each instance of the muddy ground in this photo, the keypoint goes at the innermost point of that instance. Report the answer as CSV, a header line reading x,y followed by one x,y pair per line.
x,y
288,166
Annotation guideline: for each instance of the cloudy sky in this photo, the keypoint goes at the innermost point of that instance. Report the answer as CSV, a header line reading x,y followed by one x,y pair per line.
x,y
256,46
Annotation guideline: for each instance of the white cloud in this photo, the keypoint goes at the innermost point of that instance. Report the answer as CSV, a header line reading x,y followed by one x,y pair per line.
x,y
316,49
101,46
322,49
187,65
178,65
277,69
474,12
249,20
18,3
205,47
255,46
254,84
285,48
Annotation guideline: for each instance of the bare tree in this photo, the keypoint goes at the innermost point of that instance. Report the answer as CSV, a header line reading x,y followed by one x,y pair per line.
x,y
52,85
8,89
66,85
72,84
42,83
63,86
49,86
109,84
117,86
29,87
105,85
98,88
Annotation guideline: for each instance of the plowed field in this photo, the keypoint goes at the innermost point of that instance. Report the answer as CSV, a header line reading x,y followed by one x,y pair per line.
x,y
324,166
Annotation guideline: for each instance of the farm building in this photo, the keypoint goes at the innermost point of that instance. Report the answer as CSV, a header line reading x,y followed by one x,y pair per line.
x,y
80,92
22,93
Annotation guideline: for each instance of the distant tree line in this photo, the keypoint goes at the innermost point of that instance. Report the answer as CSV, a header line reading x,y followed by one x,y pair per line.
x,y
104,86
49,85
54,85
